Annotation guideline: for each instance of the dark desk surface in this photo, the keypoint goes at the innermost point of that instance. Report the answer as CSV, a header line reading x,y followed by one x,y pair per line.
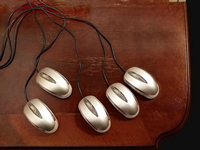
x,y
148,34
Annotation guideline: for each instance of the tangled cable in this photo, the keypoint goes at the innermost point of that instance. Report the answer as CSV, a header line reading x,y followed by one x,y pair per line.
x,y
35,7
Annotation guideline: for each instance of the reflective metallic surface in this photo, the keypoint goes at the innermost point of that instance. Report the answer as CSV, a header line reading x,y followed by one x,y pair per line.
x,y
95,114
40,116
142,82
54,83
123,100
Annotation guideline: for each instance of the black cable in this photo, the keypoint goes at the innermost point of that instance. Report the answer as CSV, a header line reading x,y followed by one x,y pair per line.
x,y
76,50
7,31
98,32
15,41
44,37
42,51
80,65
37,60
44,43
88,24
6,36
45,50
46,6
14,38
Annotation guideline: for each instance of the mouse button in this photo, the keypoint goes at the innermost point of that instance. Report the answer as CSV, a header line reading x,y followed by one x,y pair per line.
x,y
103,115
32,117
47,124
60,89
47,77
128,109
119,96
101,123
86,113
34,110
89,117
132,80
137,76
126,92
45,84
47,74
100,109
142,75
149,90
137,85
48,119
90,107
114,99
63,86
118,93
58,77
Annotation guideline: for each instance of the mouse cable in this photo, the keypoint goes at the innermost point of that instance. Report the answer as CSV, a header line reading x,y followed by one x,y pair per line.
x,y
7,30
86,22
78,82
98,32
6,36
89,23
77,51
54,41
15,33
37,59
15,41
46,6
99,39
43,50
43,34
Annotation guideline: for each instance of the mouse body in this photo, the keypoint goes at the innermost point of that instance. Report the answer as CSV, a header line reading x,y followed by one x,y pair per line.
x,y
142,82
40,116
95,114
123,100
54,83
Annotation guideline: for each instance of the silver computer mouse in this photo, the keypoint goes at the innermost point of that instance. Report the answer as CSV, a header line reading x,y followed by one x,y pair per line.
x,y
54,83
123,100
95,114
40,116
142,82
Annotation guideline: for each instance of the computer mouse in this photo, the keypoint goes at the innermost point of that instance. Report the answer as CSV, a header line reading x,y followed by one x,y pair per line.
x,y
123,100
142,82
95,114
54,83
40,116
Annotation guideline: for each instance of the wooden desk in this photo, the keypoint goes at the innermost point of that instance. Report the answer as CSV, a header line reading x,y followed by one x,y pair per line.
x,y
151,35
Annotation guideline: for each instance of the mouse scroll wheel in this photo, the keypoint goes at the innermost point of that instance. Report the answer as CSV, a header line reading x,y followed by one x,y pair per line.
x,y
47,77
90,107
119,93
137,76
34,110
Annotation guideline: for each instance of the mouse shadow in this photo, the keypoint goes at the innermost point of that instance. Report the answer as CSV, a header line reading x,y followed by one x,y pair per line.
x,y
120,117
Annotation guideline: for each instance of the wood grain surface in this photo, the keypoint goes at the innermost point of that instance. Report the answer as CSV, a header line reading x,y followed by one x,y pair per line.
x,y
148,34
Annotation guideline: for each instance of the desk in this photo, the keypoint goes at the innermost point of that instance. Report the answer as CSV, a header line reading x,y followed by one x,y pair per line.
x,y
151,35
